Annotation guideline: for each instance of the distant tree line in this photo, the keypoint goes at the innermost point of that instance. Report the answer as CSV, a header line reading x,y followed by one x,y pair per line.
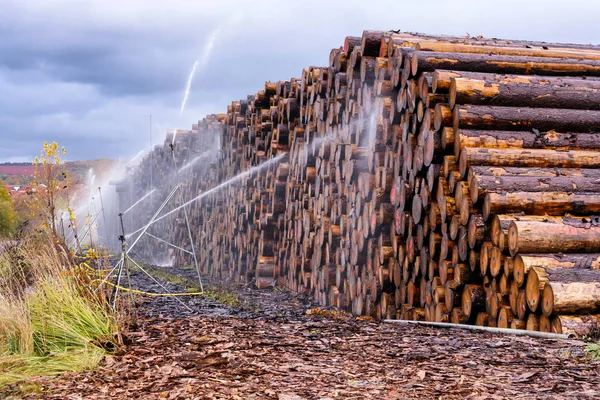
x,y
16,164
8,216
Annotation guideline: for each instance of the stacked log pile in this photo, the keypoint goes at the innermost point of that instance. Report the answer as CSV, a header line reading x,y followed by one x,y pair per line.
x,y
416,177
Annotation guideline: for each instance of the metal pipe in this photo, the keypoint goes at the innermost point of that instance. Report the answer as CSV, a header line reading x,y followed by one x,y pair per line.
x,y
187,222
506,331
116,292
125,258
105,227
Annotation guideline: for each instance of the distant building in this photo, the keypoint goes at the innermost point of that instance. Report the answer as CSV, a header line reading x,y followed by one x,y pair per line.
x,y
15,190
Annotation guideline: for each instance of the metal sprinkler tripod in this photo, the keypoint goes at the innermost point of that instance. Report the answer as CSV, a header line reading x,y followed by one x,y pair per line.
x,y
126,259
124,263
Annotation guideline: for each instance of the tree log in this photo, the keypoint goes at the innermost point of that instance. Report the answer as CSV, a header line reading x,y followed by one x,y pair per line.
x,y
505,50
473,297
426,61
526,91
480,185
540,203
553,235
523,263
471,156
550,140
570,291
525,118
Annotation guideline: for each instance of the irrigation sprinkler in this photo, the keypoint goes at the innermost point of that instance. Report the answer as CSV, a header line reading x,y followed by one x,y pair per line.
x,y
125,263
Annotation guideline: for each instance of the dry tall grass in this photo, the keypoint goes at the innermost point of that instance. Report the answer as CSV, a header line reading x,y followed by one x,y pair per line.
x,y
51,318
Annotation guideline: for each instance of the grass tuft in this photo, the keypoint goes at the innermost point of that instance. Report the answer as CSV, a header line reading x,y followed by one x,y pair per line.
x,y
51,320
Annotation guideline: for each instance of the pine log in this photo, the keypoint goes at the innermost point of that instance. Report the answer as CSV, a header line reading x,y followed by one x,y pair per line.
x,y
502,171
525,118
457,316
579,281
533,322
541,203
545,324
570,291
526,91
518,324
482,319
426,61
524,262
550,140
350,42
480,185
451,46
505,317
473,297
521,304
371,43
477,230
553,235
472,156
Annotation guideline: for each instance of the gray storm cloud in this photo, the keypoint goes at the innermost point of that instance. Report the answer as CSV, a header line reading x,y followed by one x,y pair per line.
x,y
89,74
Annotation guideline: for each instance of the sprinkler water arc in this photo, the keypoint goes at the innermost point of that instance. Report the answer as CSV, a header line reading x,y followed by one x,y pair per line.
x,y
211,191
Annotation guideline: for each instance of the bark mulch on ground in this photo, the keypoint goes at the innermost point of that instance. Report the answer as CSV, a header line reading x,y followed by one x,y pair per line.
x,y
273,349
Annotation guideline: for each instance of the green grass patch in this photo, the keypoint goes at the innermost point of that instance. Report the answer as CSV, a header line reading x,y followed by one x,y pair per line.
x,y
222,296
193,286
51,318
54,329
189,285
593,349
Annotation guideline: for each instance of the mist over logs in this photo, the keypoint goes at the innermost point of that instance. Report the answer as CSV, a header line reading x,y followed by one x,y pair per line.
x,y
445,179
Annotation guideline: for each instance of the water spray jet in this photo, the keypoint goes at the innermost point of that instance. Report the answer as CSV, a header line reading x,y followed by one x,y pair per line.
x,y
211,191
202,61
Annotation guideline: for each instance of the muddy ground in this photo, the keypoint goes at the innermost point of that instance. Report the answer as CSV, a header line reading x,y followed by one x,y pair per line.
x,y
266,344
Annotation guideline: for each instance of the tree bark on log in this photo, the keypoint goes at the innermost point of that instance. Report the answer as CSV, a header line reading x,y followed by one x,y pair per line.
x,y
480,185
550,140
426,61
554,235
452,47
524,262
524,118
475,156
540,203
579,290
526,91
571,291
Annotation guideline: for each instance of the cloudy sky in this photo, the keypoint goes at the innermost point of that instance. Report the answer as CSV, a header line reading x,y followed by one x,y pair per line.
x,y
88,74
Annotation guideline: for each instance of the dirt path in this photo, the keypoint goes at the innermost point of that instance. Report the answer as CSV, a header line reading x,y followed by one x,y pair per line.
x,y
270,349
